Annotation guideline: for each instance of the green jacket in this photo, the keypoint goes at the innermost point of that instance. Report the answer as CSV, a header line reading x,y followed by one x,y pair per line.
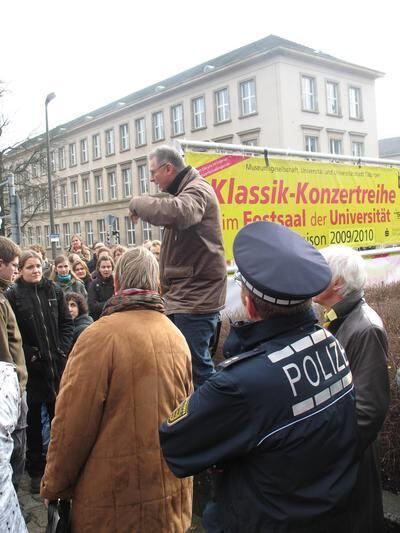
x,y
10,338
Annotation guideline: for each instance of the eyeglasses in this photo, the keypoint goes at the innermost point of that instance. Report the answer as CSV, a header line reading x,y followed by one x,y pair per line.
x,y
152,172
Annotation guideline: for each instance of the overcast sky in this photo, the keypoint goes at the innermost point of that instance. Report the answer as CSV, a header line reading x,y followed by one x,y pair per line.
x,y
90,52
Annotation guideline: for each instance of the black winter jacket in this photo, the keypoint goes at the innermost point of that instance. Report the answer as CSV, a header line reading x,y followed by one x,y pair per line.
x,y
99,292
46,328
81,322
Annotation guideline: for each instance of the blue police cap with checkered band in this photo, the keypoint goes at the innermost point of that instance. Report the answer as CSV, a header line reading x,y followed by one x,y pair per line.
x,y
278,265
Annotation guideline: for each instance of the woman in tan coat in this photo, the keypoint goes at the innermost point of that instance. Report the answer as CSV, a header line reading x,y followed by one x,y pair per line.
x,y
125,375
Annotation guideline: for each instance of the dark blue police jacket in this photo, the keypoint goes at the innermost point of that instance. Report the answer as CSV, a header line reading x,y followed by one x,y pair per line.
x,y
279,421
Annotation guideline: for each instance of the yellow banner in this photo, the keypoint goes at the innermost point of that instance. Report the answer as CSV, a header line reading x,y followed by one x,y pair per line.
x,y
327,203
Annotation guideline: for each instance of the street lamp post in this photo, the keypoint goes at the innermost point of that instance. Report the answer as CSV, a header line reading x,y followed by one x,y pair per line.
x,y
49,98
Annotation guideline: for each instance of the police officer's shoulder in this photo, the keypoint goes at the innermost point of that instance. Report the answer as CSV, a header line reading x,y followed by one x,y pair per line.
x,y
239,358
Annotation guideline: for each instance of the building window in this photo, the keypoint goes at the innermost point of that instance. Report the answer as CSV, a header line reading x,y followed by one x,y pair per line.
x,y
72,155
311,143
140,126
47,236
75,193
96,146
30,236
130,231
61,158
67,235
177,119
158,126
222,111
38,236
34,170
248,97
84,151
112,185
64,195
110,147
198,113
146,231
77,228
98,181
127,180
355,103
143,174
89,232
332,97
101,230
124,137
52,161
86,190
308,93
43,164
357,149
57,231
335,146
250,142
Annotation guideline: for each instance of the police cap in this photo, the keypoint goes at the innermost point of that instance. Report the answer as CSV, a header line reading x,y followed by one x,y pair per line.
x,y
278,265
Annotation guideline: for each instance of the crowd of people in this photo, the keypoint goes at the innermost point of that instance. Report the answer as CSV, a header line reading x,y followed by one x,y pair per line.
x,y
112,348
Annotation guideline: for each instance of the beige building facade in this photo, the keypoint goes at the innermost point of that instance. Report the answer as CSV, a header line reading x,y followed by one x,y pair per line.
x,y
272,93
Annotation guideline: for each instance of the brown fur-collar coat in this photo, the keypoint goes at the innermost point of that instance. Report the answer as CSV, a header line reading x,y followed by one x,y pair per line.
x,y
126,374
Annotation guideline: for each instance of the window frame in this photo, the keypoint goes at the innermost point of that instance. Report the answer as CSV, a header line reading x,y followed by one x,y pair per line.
x,y
158,126
110,141
72,154
112,185
311,94
224,105
198,113
140,132
335,98
84,150
177,120
98,180
247,97
359,109
127,184
96,146
124,140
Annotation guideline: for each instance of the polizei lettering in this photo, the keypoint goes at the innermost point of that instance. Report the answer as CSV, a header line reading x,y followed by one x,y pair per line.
x,y
314,370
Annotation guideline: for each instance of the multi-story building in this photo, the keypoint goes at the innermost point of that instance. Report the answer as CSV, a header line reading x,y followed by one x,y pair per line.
x,y
272,92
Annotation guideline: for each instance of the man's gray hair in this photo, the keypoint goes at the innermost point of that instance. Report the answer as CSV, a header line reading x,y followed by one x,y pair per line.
x,y
137,269
348,266
166,153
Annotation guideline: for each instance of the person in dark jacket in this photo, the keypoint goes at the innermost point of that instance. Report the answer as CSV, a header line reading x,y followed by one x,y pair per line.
x,y
46,328
81,271
361,333
78,309
66,279
278,420
92,263
102,287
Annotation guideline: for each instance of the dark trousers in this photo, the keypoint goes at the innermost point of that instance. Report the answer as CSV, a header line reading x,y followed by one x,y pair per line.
x,y
36,455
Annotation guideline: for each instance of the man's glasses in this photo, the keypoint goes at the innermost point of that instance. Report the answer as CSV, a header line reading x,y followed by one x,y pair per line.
x,y
152,172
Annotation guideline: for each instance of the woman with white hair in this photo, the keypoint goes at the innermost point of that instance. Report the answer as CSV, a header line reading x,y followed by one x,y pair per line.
x,y
125,375
10,514
361,332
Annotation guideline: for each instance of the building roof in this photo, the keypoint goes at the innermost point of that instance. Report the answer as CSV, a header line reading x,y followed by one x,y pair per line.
x,y
269,44
389,147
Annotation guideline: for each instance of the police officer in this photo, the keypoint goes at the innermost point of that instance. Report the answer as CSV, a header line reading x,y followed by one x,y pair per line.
x,y
278,420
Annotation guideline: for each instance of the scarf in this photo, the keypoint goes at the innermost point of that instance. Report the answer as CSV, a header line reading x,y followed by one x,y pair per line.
x,y
134,299
64,279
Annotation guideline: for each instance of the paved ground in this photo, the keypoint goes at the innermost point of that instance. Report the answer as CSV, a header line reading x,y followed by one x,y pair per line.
x,y
34,505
